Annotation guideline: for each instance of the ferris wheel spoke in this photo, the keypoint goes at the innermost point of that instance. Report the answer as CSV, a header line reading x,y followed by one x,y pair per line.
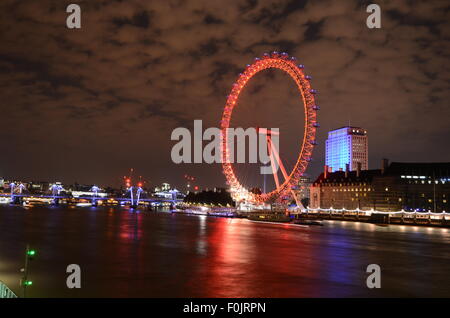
x,y
277,157
283,170
272,163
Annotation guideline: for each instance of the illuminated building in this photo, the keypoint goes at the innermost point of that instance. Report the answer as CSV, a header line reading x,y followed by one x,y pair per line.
x,y
303,187
84,191
38,187
398,186
301,191
347,145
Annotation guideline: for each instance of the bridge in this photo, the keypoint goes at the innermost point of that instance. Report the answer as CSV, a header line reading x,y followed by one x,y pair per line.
x,y
20,194
20,198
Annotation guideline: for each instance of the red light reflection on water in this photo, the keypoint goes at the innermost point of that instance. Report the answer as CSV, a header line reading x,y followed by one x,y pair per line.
x,y
244,260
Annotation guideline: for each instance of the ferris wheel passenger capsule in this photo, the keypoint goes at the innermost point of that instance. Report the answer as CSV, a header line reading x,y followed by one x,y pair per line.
x,y
313,91
316,107
308,77
301,66
316,125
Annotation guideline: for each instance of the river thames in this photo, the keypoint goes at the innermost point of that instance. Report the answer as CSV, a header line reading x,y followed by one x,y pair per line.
x,y
147,254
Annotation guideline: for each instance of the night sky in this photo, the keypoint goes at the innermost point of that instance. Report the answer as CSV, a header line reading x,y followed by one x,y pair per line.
x,y
86,105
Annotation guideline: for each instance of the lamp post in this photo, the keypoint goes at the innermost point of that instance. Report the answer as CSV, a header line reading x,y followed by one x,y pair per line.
x,y
29,255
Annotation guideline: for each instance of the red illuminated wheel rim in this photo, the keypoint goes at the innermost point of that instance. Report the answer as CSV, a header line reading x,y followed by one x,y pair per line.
x,y
287,64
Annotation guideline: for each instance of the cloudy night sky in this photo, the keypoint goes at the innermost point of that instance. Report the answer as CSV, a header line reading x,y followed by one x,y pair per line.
x,y
86,105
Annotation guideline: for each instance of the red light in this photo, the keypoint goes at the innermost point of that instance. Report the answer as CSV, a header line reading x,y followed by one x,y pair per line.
x,y
196,188
280,61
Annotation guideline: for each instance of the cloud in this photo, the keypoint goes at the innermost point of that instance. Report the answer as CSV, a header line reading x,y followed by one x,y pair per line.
x,y
111,93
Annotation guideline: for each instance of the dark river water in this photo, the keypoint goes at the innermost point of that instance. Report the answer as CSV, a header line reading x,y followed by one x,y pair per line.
x,y
147,254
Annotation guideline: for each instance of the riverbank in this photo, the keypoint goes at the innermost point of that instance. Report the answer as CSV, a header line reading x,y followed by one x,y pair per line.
x,y
407,218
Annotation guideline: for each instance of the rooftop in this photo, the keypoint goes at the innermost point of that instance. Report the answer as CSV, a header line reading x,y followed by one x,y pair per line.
x,y
432,169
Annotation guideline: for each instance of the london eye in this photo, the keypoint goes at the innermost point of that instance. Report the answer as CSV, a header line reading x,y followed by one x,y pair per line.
x,y
289,179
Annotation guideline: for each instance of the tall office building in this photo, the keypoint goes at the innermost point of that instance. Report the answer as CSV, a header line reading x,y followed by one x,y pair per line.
x,y
347,145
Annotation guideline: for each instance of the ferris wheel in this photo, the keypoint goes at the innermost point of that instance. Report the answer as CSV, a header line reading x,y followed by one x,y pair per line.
x,y
290,179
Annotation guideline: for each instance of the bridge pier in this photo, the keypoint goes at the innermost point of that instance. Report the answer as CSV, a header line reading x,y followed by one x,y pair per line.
x,y
16,200
56,201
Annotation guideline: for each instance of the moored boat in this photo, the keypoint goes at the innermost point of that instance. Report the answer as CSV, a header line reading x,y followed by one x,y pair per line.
x,y
279,218
307,222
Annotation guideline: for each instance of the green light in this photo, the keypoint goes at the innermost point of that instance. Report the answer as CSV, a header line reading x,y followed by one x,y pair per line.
x,y
31,252
28,283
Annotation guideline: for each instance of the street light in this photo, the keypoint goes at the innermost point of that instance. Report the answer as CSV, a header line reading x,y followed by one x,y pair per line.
x,y
31,253
29,256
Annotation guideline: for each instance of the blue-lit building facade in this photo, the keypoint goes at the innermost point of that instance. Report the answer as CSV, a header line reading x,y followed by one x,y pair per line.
x,y
347,145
